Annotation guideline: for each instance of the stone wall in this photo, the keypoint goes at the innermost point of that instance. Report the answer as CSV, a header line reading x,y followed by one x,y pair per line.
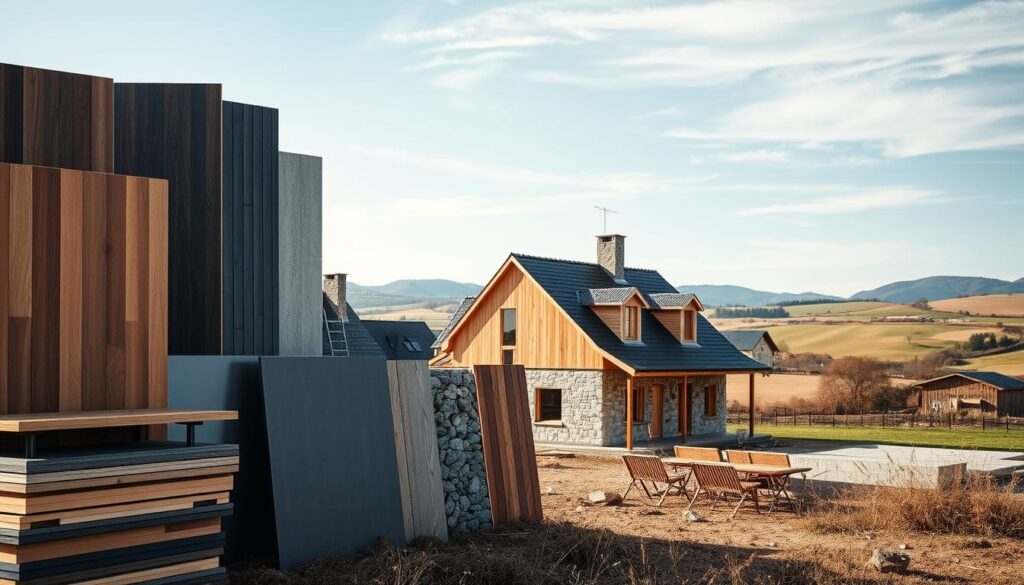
x,y
581,406
702,425
464,479
763,353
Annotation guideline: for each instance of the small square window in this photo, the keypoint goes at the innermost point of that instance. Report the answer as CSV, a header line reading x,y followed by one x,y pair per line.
x,y
508,356
548,404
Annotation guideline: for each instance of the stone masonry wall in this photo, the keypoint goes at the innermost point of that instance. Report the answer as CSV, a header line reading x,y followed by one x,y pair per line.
x,y
463,476
581,406
614,414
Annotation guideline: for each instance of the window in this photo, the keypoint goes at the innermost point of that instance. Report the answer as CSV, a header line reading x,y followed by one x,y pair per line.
x,y
548,402
412,345
631,323
508,327
690,325
638,406
508,356
711,400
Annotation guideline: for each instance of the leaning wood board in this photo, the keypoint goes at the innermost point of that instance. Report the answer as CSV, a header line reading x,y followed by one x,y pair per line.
x,y
509,455
56,119
419,463
83,291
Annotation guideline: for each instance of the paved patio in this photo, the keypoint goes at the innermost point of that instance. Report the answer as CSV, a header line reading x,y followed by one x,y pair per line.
x,y
997,463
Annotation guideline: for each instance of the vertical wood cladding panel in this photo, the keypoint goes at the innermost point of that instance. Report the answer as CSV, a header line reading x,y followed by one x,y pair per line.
x,y
250,232
83,271
173,132
300,254
56,119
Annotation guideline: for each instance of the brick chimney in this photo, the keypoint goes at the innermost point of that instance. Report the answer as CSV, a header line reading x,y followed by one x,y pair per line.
x,y
611,255
334,286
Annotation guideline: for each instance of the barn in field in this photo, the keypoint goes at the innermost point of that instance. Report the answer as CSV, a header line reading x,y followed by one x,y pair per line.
x,y
988,392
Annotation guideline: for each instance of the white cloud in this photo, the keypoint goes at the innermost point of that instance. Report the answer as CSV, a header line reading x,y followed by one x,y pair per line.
x,y
866,200
444,61
761,155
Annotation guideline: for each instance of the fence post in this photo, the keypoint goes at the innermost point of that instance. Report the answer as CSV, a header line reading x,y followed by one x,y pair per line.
x,y
951,420
983,422
833,420
1007,419
883,419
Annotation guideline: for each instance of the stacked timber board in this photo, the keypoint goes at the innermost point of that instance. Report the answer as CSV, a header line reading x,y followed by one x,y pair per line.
x,y
148,514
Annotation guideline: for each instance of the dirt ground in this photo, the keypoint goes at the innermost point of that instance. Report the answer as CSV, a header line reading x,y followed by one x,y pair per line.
x,y
783,536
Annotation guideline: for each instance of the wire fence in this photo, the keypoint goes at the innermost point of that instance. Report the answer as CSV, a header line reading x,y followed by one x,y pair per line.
x,y
785,416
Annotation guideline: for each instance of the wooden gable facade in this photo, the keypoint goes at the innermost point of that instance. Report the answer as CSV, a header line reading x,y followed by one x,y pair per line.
x,y
545,338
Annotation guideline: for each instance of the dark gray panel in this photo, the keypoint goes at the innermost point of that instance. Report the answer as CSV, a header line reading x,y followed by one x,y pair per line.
x,y
48,533
300,318
250,257
114,456
231,383
332,453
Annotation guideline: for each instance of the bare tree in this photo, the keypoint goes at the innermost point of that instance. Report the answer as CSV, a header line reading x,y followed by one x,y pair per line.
x,y
851,383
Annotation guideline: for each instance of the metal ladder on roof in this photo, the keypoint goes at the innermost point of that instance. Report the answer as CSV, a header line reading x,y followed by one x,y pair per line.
x,y
336,335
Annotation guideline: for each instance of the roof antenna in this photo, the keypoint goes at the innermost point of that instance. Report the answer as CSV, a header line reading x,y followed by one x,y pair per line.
x,y
606,212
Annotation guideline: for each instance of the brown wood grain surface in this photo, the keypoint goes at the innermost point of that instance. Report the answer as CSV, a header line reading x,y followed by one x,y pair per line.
x,y
509,454
83,268
56,119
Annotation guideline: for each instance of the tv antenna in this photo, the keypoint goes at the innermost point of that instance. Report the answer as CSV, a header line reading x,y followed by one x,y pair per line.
x,y
606,212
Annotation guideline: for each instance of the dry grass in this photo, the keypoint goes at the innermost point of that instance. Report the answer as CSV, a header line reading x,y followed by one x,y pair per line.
x,y
975,507
1000,305
560,553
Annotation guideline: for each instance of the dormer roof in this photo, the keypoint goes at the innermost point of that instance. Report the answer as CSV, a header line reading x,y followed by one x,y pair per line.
x,y
673,300
609,296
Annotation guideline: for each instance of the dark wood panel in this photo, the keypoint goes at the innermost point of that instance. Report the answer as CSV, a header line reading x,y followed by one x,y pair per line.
x,y
84,290
507,432
56,119
173,131
251,202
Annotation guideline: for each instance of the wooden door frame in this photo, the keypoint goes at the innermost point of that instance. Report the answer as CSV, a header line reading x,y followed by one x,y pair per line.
x,y
657,410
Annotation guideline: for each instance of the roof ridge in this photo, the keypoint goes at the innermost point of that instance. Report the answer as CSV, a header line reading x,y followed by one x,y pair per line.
x,y
567,261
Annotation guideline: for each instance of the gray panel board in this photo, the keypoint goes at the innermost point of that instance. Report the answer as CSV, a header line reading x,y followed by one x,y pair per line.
x,y
137,454
300,254
332,456
61,531
231,383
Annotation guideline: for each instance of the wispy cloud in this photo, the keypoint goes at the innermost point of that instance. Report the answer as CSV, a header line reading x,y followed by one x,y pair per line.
x,y
760,155
867,200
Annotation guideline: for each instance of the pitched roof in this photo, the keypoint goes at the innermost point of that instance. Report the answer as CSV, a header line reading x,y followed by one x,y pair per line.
x,y
659,350
401,340
994,379
606,296
747,340
360,343
453,321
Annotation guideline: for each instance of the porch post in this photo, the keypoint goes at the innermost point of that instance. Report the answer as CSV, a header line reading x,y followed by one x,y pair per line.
x,y
684,409
629,413
750,408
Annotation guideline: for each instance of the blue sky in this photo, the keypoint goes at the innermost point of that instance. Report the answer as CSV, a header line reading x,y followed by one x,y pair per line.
x,y
808,145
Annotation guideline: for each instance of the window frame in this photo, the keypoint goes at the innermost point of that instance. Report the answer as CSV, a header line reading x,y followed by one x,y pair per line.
x,y
689,318
634,321
515,328
711,391
538,413
639,403
508,356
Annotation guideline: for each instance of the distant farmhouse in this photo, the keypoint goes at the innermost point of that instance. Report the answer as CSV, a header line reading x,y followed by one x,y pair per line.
x,y
988,392
612,354
756,344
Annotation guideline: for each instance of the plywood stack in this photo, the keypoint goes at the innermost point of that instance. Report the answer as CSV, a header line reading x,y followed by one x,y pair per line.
x,y
151,514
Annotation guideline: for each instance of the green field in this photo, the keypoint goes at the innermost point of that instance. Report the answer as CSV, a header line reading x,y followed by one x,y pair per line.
x,y
893,341
920,437
867,310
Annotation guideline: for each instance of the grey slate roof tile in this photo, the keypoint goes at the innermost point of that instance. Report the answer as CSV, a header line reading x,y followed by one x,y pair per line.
x,y
672,300
399,339
456,317
605,296
746,340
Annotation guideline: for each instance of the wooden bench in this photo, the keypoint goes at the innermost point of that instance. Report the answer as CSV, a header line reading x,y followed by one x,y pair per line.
x,y
29,425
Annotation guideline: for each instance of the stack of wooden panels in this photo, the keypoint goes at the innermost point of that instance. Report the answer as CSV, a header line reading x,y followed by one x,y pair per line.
x,y
148,514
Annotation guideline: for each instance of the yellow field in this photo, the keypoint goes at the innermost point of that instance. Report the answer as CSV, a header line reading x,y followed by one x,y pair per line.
x,y
1011,364
987,305
780,388
852,308
894,341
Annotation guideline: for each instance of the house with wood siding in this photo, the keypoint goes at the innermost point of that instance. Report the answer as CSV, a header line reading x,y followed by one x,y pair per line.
x,y
612,354
987,392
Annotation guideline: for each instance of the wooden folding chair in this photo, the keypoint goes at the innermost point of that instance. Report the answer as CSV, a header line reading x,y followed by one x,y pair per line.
x,y
721,480
644,468
768,458
735,456
700,453
775,485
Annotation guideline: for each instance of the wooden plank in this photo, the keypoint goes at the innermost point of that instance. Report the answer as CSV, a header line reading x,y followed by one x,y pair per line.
x,y
509,454
70,291
77,516
56,477
117,285
100,542
26,423
13,503
5,224
94,291
419,465
39,488
156,573
45,289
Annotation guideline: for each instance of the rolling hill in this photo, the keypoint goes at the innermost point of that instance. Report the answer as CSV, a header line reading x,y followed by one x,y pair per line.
x,y
408,292
722,295
935,288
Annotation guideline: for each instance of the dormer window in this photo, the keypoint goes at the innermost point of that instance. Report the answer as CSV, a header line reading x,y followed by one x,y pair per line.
x,y
631,323
689,325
